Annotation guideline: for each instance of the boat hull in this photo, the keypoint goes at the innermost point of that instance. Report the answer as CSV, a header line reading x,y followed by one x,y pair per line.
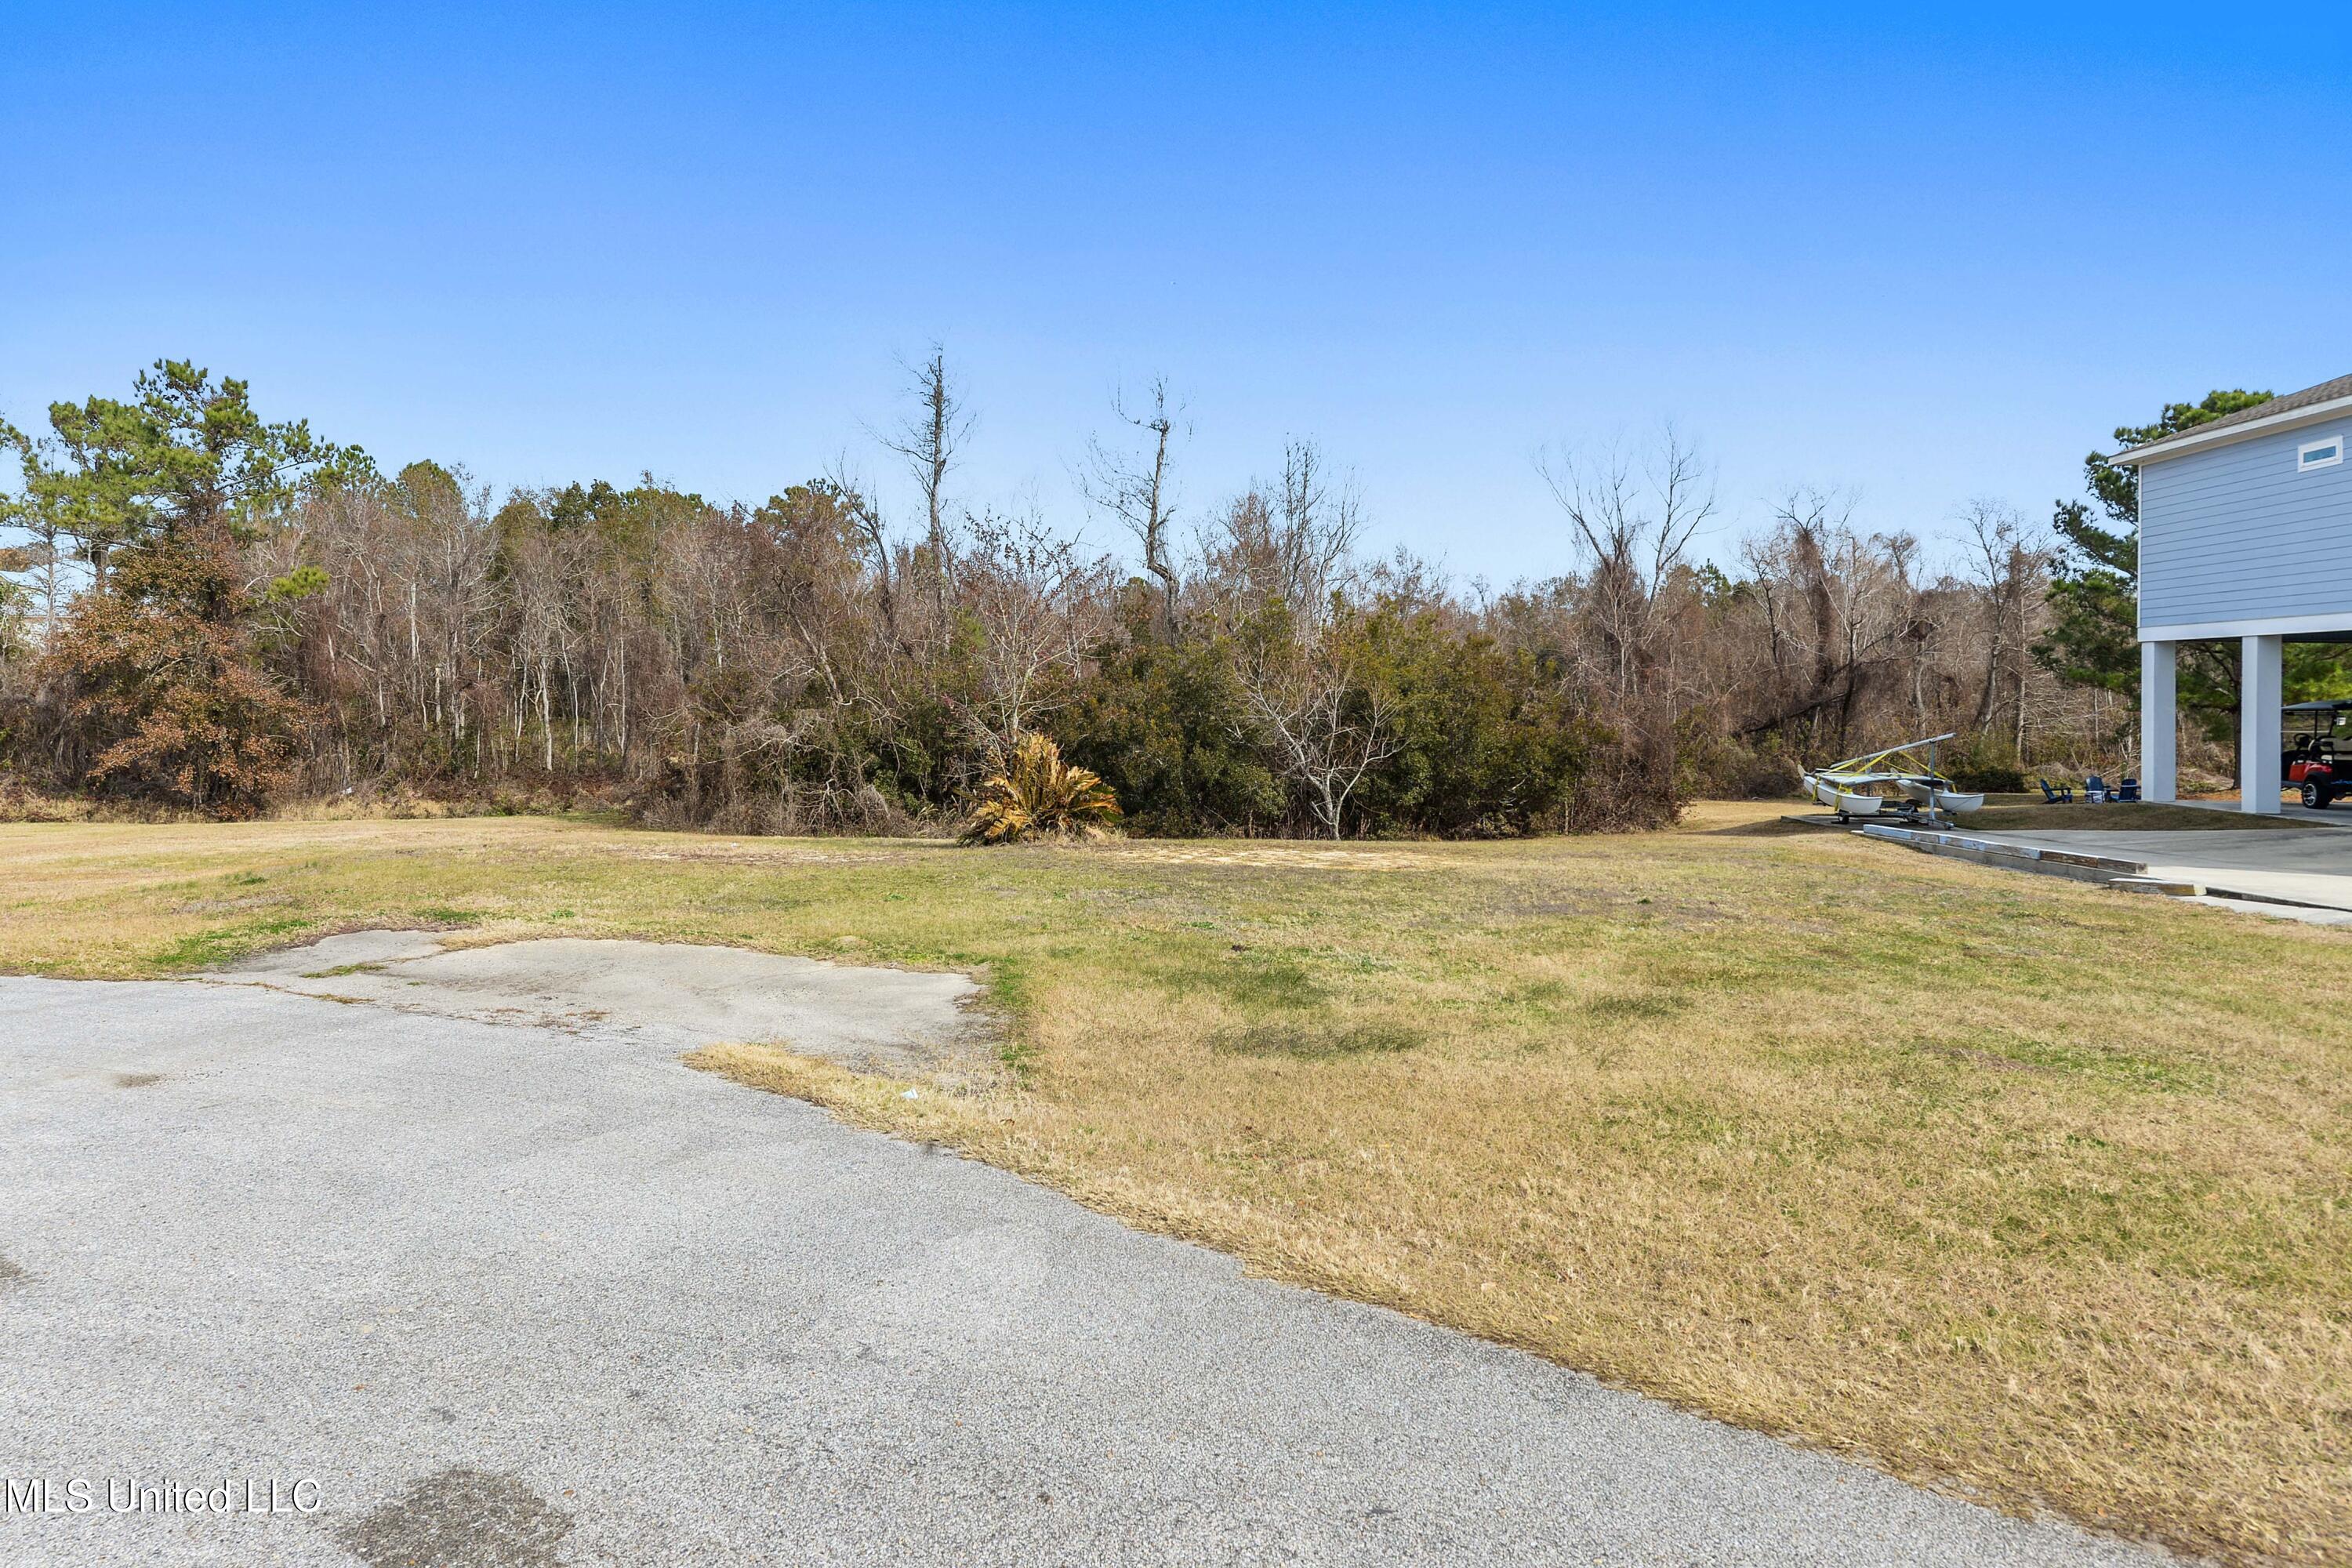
x,y
1842,803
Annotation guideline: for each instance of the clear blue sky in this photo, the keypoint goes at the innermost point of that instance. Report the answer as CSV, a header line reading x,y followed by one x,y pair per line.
x,y
1931,257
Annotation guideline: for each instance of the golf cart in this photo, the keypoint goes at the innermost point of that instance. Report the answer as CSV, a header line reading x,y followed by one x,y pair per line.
x,y
2317,737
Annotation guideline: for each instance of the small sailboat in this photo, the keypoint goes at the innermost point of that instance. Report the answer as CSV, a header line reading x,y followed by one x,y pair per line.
x,y
1849,787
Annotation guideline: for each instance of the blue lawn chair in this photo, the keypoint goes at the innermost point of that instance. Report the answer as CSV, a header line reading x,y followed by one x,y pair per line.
x,y
2129,789
2062,795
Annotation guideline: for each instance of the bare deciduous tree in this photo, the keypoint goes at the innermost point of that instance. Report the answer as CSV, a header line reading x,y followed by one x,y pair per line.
x,y
1141,492
1039,605
1294,547
930,442
1840,611
2005,564
1327,729
1633,519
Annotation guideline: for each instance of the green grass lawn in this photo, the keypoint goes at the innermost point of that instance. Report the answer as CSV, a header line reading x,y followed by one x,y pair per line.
x,y
2005,1183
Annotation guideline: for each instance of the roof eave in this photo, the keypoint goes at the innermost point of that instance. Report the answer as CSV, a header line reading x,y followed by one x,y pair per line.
x,y
2189,441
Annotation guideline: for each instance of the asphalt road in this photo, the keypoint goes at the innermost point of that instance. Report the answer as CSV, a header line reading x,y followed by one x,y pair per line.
x,y
505,1295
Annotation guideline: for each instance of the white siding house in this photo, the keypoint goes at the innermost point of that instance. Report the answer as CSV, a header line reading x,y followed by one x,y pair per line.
x,y
2245,533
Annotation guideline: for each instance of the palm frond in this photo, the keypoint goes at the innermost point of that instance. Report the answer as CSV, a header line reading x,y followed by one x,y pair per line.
x,y
1034,793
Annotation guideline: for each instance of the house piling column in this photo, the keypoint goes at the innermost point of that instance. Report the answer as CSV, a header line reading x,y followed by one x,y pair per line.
x,y
2262,689
2159,730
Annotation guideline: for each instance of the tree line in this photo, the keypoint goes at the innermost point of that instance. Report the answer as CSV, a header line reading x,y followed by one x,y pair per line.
x,y
210,611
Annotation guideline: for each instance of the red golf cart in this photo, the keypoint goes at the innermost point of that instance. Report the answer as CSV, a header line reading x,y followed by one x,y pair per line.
x,y
2319,759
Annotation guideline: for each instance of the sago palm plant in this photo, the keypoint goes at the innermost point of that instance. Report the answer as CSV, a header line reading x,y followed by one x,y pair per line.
x,y
1033,794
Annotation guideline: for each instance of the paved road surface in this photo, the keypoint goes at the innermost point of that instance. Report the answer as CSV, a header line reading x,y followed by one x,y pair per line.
x,y
512,1296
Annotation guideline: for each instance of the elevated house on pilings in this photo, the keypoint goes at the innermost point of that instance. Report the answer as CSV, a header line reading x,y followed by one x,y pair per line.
x,y
2245,533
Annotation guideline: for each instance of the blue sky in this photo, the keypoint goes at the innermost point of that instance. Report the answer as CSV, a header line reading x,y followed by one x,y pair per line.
x,y
1927,257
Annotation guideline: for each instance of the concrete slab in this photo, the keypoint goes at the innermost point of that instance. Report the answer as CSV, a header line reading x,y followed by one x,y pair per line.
x,y
2306,868
2336,817
670,994
2008,854
2304,914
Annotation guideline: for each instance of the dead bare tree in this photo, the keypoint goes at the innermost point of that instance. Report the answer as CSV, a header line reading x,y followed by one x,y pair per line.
x,y
1139,492
873,535
930,442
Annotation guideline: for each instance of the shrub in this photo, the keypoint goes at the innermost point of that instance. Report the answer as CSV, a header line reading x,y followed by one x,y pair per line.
x,y
1035,794
1486,744
1722,768
1984,762
1164,725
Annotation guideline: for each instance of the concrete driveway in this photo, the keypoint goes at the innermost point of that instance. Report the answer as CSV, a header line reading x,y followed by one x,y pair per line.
x,y
2306,868
447,1292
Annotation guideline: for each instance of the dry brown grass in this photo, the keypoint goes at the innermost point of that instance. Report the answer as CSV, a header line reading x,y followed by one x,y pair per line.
x,y
2006,1184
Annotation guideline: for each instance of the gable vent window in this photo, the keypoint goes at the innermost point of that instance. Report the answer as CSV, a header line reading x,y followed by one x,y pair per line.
x,y
2320,454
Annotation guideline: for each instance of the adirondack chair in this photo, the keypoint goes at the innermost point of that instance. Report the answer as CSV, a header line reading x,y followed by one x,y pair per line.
x,y
2062,795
